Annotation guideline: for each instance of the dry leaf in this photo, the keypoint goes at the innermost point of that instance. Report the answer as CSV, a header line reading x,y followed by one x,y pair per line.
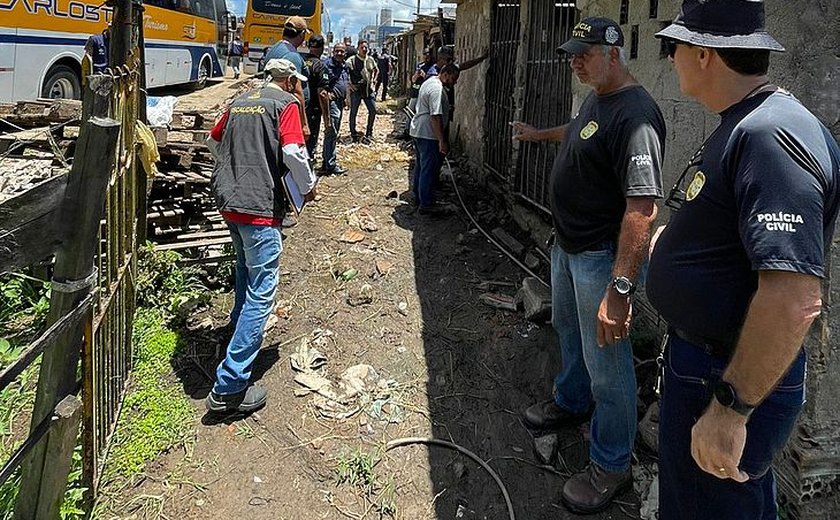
x,y
352,236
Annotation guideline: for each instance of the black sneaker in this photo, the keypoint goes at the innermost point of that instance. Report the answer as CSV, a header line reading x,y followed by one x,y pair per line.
x,y
546,415
336,170
249,400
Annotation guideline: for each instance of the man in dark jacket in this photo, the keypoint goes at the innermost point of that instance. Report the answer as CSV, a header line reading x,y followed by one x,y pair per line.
x,y
257,141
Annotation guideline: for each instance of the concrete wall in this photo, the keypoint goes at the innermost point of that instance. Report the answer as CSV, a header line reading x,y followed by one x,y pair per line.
x,y
472,38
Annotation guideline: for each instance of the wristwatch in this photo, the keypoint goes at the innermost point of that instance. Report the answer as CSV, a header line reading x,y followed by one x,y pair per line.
x,y
623,285
727,396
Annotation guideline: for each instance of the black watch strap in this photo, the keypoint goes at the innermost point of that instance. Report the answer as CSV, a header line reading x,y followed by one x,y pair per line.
x,y
726,395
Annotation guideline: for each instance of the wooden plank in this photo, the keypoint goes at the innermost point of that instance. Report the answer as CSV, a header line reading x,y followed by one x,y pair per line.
x,y
197,236
29,244
177,246
59,451
35,435
32,204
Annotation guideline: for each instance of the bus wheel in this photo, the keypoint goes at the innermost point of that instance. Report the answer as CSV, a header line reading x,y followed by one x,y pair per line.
x,y
62,82
203,74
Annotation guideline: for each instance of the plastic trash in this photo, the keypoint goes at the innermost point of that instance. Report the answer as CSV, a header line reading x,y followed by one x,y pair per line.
x,y
159,110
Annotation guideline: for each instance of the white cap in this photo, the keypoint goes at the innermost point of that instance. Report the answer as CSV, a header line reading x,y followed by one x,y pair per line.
x,y
282,68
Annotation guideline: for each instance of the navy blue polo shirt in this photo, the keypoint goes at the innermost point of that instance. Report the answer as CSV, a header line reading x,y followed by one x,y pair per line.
x,y
763,197
339,80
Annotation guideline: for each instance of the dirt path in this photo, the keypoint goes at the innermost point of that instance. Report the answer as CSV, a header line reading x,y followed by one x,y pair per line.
x,y
449,367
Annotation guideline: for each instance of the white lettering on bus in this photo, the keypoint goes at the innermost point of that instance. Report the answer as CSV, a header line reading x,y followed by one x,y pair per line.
x,y
75,9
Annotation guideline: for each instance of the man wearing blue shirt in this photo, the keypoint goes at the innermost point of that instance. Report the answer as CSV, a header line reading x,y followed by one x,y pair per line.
x,y
294,33
339,80
737,272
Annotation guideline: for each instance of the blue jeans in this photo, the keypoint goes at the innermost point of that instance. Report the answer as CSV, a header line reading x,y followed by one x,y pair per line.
x,y
258,251
331,136
356,99
685,491
591,373
427,164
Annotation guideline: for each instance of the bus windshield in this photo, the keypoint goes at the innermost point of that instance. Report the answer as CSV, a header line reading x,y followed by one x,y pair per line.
x,y
303,8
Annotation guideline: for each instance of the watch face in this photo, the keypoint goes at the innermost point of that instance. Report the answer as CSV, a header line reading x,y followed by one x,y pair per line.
x,y
622,285
725,394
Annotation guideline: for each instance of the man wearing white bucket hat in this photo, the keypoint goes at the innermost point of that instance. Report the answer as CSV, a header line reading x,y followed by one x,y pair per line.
x,y
737,272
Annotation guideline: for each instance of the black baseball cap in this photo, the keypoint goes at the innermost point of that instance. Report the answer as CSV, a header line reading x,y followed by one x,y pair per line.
x,y
591,31
316,40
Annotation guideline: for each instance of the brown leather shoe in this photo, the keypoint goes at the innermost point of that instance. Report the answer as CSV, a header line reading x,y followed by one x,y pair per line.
x,y
592,490
546,415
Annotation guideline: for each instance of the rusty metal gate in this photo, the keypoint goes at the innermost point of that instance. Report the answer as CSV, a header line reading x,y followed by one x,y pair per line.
x,y
548,96
107,358
504,44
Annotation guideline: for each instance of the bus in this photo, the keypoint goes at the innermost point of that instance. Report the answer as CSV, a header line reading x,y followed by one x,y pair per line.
x,y
42,44
264,21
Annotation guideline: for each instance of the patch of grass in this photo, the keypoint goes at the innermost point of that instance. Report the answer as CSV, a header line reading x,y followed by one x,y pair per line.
x,y
156,413
357,469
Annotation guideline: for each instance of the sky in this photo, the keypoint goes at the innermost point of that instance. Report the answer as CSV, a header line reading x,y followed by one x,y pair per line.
x,y
349,16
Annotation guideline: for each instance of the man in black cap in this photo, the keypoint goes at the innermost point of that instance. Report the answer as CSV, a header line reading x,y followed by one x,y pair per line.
x,y
737,272
318,81
604,183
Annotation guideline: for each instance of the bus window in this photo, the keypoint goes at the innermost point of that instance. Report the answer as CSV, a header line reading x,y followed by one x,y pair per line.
x,y
303,8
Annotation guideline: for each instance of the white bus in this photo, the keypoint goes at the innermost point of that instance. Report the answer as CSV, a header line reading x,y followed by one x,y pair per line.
x,y
42,44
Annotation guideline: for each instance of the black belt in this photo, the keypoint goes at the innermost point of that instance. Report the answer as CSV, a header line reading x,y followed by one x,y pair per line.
x,y
716,349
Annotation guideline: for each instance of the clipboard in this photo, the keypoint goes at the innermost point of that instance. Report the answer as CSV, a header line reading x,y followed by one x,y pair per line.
x,y
293,194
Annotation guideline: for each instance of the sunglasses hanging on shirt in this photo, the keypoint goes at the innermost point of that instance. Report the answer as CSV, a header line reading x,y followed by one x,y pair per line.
x,y
677,195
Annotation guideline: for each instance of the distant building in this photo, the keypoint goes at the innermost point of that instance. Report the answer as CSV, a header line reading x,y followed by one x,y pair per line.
x,y
369,33
386,17
387,30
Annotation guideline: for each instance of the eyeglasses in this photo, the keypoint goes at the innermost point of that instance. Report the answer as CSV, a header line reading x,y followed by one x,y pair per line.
x,y
677,195
671,46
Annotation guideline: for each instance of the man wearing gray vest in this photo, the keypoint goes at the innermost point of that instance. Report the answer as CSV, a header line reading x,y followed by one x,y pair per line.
x,y
257,141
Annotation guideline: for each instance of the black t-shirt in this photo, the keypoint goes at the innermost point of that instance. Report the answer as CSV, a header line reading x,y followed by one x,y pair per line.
x,y
612,150
764,196
318,77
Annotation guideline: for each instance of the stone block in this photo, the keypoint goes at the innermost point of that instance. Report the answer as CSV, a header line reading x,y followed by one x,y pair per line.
x,y
536,300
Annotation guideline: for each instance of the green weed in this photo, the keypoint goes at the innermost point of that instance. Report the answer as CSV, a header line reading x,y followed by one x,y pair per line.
x,y
156,414
163,284
357,469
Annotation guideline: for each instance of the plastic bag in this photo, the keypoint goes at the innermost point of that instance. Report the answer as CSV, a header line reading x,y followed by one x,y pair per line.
x,y
148,152
159,110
